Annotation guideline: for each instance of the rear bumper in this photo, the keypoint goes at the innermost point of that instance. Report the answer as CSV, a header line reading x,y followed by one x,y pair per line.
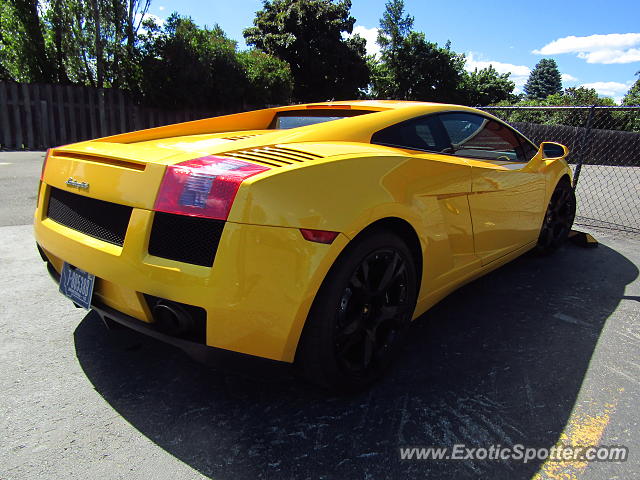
x,y
256,295
214,357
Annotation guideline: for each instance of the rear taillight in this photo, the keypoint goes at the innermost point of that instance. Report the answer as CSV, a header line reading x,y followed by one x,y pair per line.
x,y
44,164
204,187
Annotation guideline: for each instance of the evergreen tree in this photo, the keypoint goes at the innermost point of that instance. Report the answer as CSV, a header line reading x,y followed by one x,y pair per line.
x,y
410,67
395,26
544,80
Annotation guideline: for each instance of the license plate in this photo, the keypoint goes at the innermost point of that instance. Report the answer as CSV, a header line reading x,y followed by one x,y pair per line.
x,y
77,285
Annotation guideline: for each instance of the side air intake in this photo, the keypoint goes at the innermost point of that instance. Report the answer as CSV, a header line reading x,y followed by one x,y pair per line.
x,y
274,156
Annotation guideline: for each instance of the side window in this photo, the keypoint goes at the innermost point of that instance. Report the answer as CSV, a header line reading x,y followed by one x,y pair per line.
x,y
479,137
527,148
424,133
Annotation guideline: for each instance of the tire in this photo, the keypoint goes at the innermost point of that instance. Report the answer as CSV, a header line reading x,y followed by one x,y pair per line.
x,y
558,219
360,314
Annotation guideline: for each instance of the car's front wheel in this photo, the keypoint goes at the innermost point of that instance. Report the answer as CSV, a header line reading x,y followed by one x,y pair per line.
x,y
360,314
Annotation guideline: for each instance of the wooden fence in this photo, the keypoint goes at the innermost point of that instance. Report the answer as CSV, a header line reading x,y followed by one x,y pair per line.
x,y
39,116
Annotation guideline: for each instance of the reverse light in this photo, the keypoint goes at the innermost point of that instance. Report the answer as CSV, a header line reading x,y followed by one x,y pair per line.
x,y
204,187
318,236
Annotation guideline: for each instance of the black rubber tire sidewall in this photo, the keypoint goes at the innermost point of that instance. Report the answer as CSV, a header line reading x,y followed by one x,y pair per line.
x,y
315,357
548,249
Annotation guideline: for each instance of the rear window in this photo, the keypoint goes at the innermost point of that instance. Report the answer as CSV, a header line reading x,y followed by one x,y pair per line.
x,y
424,133
302,118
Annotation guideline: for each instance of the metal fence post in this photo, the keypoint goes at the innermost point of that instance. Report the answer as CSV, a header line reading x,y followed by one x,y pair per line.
x,y
583,143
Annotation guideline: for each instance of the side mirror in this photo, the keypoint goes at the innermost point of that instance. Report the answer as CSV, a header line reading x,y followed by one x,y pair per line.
x,y
547,150
553,150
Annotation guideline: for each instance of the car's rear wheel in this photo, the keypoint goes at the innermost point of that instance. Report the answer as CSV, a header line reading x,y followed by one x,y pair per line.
x,y
558,219
360,314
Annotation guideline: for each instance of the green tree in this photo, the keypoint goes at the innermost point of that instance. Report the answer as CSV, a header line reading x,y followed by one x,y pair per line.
x,y
134,15
578,96
544,80
583,96
485,87
308,35
24,55
633,95
631,119
4,73
58,21
99,43
570,97
184,65
410,67
91,42
395,26
108,30
9,31
269,78
573,96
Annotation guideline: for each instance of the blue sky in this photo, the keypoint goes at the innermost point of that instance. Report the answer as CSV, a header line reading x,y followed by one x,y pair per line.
x,y
595,43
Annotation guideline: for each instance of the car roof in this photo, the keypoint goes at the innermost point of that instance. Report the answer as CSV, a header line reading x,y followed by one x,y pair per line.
x,y
358,105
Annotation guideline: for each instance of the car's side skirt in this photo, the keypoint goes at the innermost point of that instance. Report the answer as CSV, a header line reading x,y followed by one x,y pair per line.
x,y
431,298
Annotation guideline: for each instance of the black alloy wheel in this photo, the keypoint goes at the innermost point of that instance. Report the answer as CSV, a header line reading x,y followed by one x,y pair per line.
x,y
558,219
372,312
361,313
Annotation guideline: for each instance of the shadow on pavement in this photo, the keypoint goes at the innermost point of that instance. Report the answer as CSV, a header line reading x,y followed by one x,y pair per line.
x,y
499,361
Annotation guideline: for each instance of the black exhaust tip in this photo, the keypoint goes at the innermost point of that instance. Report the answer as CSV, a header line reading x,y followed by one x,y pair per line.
x,y
172,319
178,319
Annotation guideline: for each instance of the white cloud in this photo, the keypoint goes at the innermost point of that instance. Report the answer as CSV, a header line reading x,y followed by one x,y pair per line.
x,y
500,67
606,49
161,7
611,56
609,89
156,18
370,35
519,73
568,78
589,43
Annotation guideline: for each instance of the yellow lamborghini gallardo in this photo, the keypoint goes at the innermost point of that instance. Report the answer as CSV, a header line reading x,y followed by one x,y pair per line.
x,y
308,234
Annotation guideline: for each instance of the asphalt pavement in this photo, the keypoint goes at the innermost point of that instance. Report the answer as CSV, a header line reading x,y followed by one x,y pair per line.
x,y
542,351
19,176
609,197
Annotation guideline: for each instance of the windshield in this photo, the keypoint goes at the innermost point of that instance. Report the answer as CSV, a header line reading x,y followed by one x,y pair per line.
x,y
302,118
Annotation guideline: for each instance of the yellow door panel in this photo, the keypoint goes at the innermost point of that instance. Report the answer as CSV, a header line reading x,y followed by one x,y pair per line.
x,y
507,206
440,185
457,217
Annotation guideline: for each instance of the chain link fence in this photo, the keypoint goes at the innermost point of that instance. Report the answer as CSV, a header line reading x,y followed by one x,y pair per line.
x,y
604,144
